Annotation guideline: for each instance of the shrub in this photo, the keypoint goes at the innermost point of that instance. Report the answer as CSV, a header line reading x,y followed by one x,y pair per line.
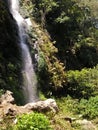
x,y
33,121
83,83
54,68
88,108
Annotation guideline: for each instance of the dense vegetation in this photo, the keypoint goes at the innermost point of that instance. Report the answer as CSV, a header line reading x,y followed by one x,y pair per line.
x,y
67,48
71,26
33,121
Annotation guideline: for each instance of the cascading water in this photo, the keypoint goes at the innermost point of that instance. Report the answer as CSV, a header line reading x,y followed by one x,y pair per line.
x,y
29,76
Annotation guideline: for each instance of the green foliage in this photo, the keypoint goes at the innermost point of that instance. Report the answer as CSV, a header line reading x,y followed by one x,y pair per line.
x,y
88,108
53,67
70,25
83,83
50,69
47,5
33,121
87,54
69,20
41,62
66,105
26,8
42,8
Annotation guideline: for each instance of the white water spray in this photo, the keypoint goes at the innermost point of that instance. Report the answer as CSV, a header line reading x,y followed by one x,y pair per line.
x,y
29,76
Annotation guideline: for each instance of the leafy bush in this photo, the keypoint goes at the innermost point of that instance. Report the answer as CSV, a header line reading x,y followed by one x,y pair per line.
x,y
88,108
83,83
33,121
54,68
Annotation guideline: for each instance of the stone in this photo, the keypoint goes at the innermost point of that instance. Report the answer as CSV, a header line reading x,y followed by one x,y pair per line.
x,y
70,119
86,125
7,98
47,105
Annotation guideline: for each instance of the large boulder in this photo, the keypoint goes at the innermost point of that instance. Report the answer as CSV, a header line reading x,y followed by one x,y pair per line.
x,y
42,106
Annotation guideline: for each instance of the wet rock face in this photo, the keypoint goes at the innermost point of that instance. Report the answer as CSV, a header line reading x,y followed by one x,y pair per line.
x,y
8,108
8,29
9,49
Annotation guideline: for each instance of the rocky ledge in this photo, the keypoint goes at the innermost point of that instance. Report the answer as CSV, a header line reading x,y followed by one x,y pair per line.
x,y
9,108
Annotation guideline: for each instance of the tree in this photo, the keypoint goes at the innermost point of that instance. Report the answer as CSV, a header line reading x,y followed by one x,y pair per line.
x,y
70,24
44,7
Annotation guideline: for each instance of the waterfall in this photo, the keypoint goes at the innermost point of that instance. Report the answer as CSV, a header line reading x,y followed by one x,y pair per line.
x,y
29,76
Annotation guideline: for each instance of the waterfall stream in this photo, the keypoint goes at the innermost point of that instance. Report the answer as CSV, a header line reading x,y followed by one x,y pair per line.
x,y
29,76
